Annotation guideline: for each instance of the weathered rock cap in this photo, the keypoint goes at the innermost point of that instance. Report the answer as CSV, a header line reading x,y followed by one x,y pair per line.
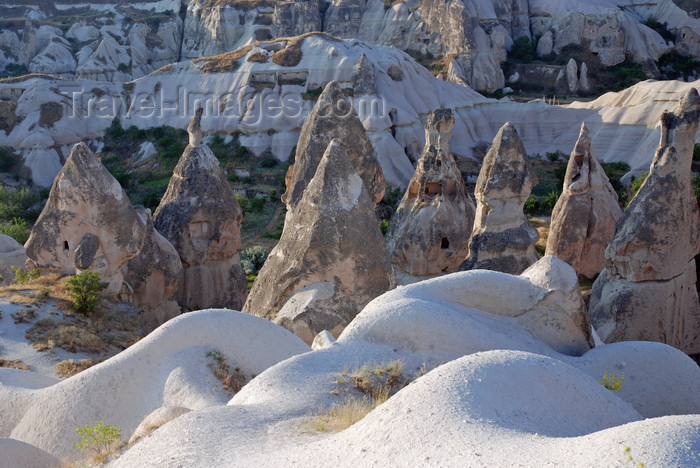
x,y
513,177
438,128
583,220
643,248
429,233
195,127
332,117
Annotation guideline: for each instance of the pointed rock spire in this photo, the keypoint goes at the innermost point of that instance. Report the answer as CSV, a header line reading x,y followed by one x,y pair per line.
x,y
194,129
429,232
502,238
200,216
331,259
647,290
333,117
583,220
88,223
363,78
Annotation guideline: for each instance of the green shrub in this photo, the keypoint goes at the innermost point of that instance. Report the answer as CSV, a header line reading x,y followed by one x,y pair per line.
x,y
257,205
152,199
20,203
243,201
84,288
553,156
620,76
22,276
550,200
696,152
7,160
269,162
384,226
312,94
522,51
17,229
531,204
661,28
98,438
634,187
14,69
560,175
392,195
676,66
612,382
252,259
272,235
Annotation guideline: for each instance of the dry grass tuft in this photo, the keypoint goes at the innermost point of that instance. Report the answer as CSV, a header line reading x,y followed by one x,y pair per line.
x,y
47,334
542,226
258,57
223,63
70,367
39,290
290,56
231,379
13,364
375,380
340,417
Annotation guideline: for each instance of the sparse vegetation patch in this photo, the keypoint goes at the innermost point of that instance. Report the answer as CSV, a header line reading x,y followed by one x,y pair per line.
x,y
13,364
231,379
100,440
224,63
70,367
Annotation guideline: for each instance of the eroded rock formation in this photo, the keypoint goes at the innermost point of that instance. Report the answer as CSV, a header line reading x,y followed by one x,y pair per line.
x,y
647,290
333,117
200,216
583,220
502,238
430,230
331,259
88,223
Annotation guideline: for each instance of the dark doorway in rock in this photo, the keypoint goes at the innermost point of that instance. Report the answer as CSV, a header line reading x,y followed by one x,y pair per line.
x,y
65,245
445,243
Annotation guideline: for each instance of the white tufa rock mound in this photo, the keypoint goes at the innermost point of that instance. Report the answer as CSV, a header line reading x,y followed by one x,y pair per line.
x,y
170,367
502,397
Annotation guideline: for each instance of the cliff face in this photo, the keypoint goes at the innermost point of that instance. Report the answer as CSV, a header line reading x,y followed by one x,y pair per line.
x,y
119,41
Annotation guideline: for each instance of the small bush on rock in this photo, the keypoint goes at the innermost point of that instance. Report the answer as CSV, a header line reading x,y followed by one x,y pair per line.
x,y
99,439
612,382
85,288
